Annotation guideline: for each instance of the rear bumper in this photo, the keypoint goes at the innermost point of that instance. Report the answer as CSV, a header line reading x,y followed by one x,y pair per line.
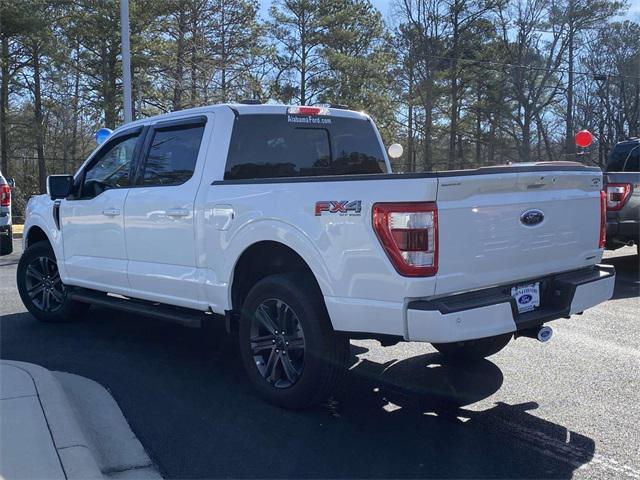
x,y
493,311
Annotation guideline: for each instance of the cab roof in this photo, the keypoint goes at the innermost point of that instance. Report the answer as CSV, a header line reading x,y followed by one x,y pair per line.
x,y
630,141
239,109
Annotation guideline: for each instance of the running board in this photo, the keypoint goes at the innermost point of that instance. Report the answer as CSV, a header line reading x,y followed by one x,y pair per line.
x,y
183,316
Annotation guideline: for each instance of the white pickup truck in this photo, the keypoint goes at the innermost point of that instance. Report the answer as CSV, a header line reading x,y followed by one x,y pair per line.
x,y
288,222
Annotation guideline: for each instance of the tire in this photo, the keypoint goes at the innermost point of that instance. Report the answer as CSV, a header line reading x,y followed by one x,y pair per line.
x,y
301,367
6,242
470,350
41,289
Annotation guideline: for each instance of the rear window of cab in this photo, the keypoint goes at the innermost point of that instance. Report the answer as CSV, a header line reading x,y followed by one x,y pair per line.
x,y
275,146
625,157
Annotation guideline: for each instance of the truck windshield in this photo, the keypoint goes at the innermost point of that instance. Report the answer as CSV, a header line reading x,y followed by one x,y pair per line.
x,y
269,146
625,157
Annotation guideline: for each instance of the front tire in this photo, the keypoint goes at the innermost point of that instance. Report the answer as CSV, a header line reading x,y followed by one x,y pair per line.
x,y
291,354
471,350
41,288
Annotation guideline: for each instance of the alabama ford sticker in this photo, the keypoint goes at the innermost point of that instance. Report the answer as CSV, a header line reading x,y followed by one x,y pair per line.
x,y
308,119
339,207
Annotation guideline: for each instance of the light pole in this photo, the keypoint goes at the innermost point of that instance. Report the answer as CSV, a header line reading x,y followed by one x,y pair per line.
x,y
126,59
602,82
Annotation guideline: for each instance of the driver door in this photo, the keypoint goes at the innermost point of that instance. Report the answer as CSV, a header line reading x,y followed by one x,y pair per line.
x,y
92,220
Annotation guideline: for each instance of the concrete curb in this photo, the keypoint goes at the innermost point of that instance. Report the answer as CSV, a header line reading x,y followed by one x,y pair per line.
x,y
64,426
17,231
118,452
69,441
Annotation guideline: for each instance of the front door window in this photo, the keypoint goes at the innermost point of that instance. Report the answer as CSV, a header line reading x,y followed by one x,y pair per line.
x,y
112,168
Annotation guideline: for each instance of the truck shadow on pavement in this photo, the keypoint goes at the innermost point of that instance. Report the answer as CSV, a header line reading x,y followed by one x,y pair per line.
x,y
186,398
627,275
426,386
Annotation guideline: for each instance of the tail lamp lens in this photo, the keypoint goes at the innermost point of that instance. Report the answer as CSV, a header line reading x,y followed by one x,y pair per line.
x,y
603,219
5,195
408,232
617,194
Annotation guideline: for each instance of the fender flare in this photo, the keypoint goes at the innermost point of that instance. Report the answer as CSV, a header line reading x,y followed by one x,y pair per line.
x,y
54,236
269,229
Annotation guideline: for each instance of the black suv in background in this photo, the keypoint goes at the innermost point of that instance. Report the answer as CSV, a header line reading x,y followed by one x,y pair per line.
x,y
622,184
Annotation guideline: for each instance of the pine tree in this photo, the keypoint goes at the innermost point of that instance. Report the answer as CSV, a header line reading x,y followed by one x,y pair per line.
x,y
297,28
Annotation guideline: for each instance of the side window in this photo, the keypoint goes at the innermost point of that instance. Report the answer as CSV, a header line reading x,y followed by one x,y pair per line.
x,y
172,155
625,157
633,162
112,168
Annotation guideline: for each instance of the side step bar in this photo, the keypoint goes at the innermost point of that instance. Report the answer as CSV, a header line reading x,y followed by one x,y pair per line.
x,y
183,316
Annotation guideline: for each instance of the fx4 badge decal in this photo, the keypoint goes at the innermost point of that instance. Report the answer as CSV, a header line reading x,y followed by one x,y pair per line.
x,y
341,207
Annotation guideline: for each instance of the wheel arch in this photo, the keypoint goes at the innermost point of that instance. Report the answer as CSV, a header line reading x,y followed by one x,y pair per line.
x,y
266,233
33,235
38,229
261,259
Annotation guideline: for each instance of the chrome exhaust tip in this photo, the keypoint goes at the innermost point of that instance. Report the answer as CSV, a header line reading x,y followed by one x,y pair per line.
x,y
541,333
544,334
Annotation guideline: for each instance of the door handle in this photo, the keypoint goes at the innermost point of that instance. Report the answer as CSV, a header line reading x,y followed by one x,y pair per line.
x,y
111,212
178,212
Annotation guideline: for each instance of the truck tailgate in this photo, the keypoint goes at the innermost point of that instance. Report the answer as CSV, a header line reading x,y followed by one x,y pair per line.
x,y
486,237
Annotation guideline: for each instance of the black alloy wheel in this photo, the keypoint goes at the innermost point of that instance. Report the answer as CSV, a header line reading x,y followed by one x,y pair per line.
x,y
44,287
41,288
277,343
292,355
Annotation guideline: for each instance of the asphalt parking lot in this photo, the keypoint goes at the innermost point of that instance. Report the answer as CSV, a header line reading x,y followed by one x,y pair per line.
x,y
567,408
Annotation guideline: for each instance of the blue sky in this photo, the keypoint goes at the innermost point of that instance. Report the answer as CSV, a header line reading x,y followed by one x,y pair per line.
x,y
383,6
634,10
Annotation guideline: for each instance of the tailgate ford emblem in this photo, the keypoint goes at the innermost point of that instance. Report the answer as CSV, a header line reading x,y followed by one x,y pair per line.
x,y
531,217
526,298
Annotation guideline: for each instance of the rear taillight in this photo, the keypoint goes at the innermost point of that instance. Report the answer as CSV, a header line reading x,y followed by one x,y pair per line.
x,y
603,219
617,194
409,234
5,195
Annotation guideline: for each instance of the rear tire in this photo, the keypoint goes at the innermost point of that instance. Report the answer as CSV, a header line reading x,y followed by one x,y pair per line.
x,y
41,288
470,350
6,242
291,354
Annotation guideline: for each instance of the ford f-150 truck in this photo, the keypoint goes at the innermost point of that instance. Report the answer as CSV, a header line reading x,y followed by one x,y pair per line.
x,y
288,223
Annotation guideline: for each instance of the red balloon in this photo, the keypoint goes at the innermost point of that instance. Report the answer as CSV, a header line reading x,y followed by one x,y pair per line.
x,y
584,138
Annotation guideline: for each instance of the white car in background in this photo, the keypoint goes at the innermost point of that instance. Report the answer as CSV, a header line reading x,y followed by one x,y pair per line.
x,y
6,229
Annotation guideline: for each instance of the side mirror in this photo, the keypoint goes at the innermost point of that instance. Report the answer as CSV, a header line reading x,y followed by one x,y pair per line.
x,y
395,150
59,186
11,182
